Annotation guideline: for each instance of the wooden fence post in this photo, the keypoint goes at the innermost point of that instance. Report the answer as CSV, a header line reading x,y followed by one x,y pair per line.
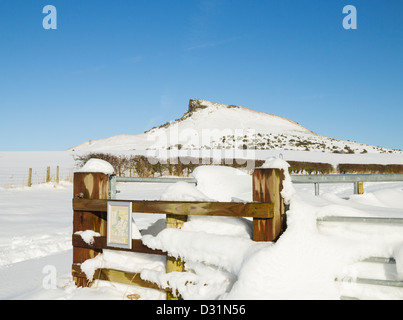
x,y
267,187
359,187
89,186
30,178
57,175
48,174
173,264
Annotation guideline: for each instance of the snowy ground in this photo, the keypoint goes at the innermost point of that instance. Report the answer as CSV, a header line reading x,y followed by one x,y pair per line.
x,y
36,228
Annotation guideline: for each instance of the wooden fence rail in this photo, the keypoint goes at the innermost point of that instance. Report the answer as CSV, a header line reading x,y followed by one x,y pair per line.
x,y
218,209
90,203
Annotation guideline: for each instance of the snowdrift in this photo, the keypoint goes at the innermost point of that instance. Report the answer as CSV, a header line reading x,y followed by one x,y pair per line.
x,y
224,263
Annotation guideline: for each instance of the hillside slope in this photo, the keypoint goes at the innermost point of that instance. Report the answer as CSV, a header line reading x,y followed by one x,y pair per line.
x,y
209,125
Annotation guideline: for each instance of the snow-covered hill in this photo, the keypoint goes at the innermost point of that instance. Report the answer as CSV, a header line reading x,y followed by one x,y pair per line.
x,y
209,125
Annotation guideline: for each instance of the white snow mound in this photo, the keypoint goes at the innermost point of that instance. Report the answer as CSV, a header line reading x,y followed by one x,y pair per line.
x,y
98,165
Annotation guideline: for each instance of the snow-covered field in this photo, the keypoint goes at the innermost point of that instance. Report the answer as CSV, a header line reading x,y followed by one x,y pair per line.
x,y
36,252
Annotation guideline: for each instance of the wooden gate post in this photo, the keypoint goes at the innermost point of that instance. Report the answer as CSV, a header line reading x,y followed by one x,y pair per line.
x,y
267,187
89,186
359,187
173,264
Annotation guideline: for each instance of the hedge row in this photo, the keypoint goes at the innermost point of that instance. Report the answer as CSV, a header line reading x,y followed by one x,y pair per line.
x,y
142,166
369,168
302,167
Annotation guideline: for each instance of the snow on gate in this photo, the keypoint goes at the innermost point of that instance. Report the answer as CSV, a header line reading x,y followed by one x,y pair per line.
x,y
91,198
304,263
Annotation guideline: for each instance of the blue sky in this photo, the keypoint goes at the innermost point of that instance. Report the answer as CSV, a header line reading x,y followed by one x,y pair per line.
x,y
124,66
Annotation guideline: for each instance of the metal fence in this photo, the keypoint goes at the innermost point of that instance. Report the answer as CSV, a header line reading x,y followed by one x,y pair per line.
x,y
354,179
316,180
113,180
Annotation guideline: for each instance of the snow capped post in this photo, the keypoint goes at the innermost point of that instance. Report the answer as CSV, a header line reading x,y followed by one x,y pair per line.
x,y
174,264
90,182
271,184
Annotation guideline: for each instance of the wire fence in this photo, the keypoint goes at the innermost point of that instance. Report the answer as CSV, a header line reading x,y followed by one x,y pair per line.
x,y
16,177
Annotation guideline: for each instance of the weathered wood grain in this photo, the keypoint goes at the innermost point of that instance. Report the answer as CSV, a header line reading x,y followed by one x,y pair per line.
x,y
89,186
222,209
118,276
100,243
267,187
174,264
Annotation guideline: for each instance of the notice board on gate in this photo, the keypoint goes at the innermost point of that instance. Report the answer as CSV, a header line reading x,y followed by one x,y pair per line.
x,y
119,225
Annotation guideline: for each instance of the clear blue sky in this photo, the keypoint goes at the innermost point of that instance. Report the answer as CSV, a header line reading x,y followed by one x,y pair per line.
x,y
124,66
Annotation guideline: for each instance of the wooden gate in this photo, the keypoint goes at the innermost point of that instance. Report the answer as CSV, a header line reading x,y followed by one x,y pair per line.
x,y
91,197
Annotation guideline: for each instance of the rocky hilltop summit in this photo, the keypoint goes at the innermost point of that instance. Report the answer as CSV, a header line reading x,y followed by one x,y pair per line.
x,y
212,125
